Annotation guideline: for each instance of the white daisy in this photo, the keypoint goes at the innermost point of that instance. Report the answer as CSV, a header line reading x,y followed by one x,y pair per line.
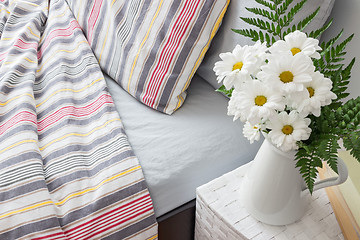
x,y
317,94
252,132
260,52
286,72
255,102
287,129
296,42
235,67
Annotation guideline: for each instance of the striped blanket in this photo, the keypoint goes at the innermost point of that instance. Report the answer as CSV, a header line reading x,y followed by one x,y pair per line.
x,y
67,170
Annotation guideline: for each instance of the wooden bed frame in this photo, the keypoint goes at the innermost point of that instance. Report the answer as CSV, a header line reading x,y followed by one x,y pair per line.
x,y
179,224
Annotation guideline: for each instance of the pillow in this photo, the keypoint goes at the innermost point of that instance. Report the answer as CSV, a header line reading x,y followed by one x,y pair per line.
x,y
225,40
151,48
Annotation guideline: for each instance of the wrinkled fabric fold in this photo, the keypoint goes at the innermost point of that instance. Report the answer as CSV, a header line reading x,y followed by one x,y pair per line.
x,y
67,170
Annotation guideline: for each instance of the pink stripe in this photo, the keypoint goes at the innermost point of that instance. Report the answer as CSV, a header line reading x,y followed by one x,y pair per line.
x,y
174,41
110,219
116,223
64,32
24,45
74,112
166,51
106,215
166,57
94,15
23,116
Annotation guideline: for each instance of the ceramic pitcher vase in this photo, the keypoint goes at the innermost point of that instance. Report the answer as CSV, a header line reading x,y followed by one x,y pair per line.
x,y
273,189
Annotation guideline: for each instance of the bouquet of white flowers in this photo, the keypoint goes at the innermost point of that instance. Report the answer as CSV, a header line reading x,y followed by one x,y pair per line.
x,y
275,88
291,88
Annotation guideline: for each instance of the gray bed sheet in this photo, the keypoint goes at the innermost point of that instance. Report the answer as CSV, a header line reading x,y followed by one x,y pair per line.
x,y
178,153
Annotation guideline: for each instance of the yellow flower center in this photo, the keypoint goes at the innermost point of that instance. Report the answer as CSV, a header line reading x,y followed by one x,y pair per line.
x,y
286,76
260,100
287,129
295,50
238,65
311,91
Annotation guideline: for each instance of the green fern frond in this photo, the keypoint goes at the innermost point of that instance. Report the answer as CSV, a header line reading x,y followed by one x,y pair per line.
x,y
264,13
317,33
265,3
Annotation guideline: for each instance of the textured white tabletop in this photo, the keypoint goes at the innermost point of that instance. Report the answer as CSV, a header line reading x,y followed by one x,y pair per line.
x,y
220,214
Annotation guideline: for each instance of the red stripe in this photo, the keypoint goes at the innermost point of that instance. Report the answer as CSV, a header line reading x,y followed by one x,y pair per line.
x,y
94,15
25,45
176,35
125,206
116,224
109,220
23,116
74,111
166,51
64,32
173,43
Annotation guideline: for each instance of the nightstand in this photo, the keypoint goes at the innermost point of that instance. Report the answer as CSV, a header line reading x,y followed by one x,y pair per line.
x,y
220,214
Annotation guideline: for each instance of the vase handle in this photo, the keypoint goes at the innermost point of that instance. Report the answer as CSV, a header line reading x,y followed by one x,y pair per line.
x,y
342,176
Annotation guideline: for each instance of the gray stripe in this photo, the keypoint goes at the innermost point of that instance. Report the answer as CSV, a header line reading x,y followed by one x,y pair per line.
x,y
100,24
19,158
180,62
104,202
83,160
117,70
155,50
88,173
31,228
119,39
20,107
22,190
85,148
28,127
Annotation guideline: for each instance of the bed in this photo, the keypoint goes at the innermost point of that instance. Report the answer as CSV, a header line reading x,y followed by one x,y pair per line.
x,y
98,141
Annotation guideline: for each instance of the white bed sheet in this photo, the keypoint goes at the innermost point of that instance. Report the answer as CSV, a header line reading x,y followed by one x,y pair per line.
x,y
178,153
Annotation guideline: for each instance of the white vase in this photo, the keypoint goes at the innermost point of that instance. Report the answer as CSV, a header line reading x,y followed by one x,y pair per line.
x,y
273,189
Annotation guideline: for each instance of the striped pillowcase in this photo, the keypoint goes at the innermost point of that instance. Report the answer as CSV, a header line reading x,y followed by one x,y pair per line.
x,y
151,48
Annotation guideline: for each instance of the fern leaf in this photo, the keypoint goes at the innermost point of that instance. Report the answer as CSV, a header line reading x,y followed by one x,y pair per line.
x,y
317,33
271,6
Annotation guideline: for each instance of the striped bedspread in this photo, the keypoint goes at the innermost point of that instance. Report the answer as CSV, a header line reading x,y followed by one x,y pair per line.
x,y
67,170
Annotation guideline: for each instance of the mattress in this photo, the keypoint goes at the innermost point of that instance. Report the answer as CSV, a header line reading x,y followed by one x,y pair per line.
x,y
178,153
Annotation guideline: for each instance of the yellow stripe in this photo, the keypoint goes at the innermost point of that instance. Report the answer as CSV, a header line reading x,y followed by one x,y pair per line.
x,y
12,99
102,49
25,209
99,185
147,34
69,89
29,60
33,32
112,3
4,9
6,39
77,16
16,144
62,50
72,195
60,15
79,134
152,238
217,24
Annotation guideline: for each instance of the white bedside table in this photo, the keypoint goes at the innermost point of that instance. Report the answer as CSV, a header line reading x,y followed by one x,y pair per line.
x,y
220,215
